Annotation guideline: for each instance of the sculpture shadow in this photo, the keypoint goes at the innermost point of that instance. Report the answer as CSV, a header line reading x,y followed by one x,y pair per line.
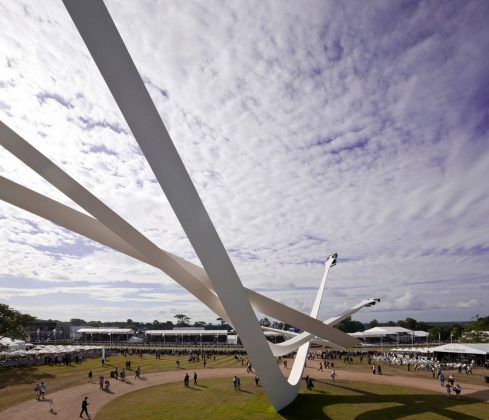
x,y
22,375
312,405
483,394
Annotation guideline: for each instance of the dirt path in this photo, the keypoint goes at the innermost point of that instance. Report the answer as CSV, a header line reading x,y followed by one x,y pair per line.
x,y
67,403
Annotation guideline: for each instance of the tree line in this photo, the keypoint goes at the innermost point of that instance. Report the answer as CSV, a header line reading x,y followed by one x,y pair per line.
x,y
472,332
14,324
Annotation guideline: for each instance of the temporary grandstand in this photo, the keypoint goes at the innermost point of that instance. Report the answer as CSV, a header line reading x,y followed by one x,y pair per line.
x,y
103,335
187,336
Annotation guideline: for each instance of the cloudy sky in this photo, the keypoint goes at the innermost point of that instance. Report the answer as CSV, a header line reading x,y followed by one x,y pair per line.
x,y
308,128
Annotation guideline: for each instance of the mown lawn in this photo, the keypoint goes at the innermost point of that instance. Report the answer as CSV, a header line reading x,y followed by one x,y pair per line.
x,y
216,399
17,384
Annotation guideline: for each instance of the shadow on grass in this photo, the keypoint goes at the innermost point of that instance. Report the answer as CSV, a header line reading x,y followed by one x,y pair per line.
x,y
312,405
483,394
22,375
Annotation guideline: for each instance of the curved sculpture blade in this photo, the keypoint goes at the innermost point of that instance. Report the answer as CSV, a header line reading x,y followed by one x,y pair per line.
x,y
91,228
218,284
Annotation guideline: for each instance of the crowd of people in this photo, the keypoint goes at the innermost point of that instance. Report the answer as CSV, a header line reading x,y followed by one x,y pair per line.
x,y
65,358
417,362
325,360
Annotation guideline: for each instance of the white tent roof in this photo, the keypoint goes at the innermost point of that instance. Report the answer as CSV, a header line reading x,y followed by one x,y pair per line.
x,y
7,341
413,350
479,348
186,332
385,331
11,344
105,331
381,332
50,349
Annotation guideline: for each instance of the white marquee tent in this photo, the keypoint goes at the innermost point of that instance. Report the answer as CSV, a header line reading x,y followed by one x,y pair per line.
x,y
463,348
12,345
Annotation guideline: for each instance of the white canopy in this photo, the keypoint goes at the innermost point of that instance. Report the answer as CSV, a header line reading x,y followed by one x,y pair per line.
x,y
413,350
12,345
105,331
386,331
186,332
479,348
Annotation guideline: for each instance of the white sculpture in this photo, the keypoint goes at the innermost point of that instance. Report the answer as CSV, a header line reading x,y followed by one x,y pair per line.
x,y
217,284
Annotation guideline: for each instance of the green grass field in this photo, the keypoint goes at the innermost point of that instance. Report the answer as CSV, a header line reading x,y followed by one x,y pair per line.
x,y
17,384
216,399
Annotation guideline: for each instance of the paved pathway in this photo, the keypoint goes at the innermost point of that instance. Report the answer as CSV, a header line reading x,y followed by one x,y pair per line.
x,y
67,403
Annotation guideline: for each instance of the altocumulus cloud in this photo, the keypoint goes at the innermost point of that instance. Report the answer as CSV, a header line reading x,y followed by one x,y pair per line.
x,y
308,128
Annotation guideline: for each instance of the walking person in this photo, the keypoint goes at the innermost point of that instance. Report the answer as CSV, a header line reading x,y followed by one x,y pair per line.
x,y
458,389
236,383
320,367
441,378
449,389
333,375
257,380
84,408
101,382
42,391
186,380
90,376
195,378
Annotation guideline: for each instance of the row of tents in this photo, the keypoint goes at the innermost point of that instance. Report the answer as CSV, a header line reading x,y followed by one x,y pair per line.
x,y
48,350
453,348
